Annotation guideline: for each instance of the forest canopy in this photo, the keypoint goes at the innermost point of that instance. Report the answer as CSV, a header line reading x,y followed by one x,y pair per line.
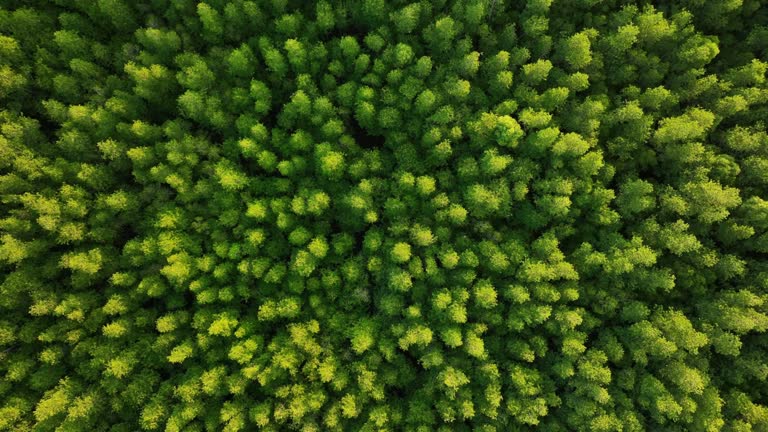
x,y
383,215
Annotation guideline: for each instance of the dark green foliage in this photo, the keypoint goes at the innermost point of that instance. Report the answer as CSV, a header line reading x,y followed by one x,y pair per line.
x,y
383,215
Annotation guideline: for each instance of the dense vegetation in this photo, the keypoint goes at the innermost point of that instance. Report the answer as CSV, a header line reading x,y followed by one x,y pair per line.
x,y
448,215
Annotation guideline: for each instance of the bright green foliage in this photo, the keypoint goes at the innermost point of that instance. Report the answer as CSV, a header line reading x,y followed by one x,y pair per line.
x,y
401,252
448,215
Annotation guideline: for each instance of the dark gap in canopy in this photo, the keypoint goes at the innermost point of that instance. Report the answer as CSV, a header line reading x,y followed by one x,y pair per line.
x,y
363,137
